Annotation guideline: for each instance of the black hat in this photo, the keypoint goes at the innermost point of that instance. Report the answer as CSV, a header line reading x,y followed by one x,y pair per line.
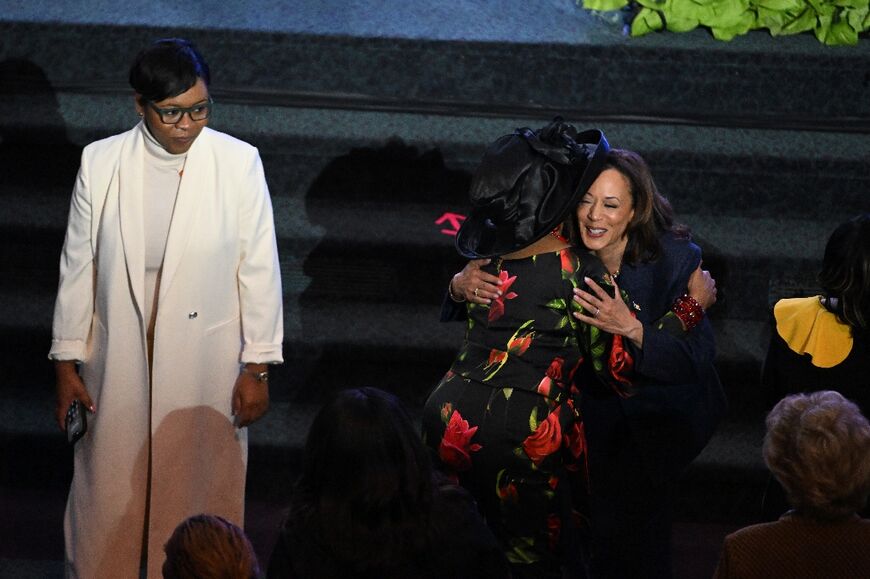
x,y
525,186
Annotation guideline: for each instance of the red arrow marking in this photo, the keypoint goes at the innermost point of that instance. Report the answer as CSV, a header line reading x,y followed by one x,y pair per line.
x,y
454,219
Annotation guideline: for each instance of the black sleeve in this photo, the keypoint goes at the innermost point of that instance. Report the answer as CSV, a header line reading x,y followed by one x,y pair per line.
x,y
774,385
452,311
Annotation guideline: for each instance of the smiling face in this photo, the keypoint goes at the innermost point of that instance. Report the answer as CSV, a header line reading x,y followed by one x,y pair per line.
x,y
603,215
178,137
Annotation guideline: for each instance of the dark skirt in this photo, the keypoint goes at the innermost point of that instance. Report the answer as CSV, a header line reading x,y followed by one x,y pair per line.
x,y
523,458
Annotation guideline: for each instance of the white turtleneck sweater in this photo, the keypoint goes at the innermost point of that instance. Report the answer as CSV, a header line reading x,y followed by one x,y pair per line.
x,y
162,177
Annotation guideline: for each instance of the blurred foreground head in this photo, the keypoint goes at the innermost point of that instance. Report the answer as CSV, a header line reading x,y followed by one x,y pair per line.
x,y
818,446
209,547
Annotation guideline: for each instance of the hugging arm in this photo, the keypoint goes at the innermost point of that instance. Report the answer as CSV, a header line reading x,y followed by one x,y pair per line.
x,y
472,284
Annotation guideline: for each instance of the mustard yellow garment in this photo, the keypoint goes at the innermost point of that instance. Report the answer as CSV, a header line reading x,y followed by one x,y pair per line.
x,y
808,328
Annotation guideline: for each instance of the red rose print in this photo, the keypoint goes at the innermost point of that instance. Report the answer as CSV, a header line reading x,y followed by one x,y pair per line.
x,y
456,446
554,374
575,440
554,528
621,363
505,488
496,308
496,357
446,411
518,345
567,262
574,369
555,369
545,440
544,386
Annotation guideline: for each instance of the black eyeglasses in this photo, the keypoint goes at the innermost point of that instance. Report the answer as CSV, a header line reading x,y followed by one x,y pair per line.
x,y
171,115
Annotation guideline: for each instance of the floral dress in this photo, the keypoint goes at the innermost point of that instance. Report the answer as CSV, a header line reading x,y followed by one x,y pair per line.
x,y
505,418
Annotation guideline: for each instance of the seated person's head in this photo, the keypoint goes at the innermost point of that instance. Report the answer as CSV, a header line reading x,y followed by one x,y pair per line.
x,y
363,446
845,274
818,446
209,547
366,488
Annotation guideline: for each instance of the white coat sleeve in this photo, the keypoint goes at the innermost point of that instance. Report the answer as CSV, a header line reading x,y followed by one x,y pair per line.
x,y
260,296
74,306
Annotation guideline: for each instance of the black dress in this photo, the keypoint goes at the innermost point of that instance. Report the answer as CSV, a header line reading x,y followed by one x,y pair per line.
x,y
811,350
505,418
791,366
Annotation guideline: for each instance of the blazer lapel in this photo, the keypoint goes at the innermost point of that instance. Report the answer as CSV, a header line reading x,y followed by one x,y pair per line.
x,y
196,179
130,202
637,279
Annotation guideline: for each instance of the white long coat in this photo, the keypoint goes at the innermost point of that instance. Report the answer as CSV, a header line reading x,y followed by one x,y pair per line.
x,y
219,305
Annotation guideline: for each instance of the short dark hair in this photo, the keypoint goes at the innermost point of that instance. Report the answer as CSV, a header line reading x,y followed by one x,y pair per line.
x,y
845,273
367,485
167,68
653,214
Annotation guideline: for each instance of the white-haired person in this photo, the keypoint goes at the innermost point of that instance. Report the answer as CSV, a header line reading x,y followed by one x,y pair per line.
x,y
818,447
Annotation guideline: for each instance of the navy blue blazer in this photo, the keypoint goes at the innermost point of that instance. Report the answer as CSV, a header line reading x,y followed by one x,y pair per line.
x,y
679,399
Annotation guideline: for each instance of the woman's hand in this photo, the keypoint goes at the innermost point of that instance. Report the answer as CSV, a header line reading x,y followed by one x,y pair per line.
x,y
474,285
250,396
69,387
702,287
606,313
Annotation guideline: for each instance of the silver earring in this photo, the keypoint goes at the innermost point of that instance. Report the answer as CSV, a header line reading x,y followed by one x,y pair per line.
x,y
140,114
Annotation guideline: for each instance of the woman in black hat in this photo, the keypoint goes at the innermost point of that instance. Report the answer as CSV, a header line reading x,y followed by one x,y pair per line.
x,y
505,420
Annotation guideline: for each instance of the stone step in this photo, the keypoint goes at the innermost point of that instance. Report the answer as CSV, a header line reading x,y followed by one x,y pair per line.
x,y
466,55
380,252
331,344
731,463
737,172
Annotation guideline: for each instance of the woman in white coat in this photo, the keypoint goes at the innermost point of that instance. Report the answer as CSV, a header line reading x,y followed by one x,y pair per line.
x,y
167,316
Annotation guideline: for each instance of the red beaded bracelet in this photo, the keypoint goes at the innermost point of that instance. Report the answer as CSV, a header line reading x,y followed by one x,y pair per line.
x,y
688,310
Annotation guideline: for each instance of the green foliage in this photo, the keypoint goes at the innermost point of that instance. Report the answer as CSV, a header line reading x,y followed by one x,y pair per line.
x,y
604,5
834,22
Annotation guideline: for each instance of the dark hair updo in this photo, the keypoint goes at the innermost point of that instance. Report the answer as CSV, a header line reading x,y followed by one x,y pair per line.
x,y
845,273
167,68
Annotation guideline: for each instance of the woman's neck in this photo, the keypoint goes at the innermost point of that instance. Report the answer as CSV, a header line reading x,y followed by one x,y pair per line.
x,y
611,257
543,245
